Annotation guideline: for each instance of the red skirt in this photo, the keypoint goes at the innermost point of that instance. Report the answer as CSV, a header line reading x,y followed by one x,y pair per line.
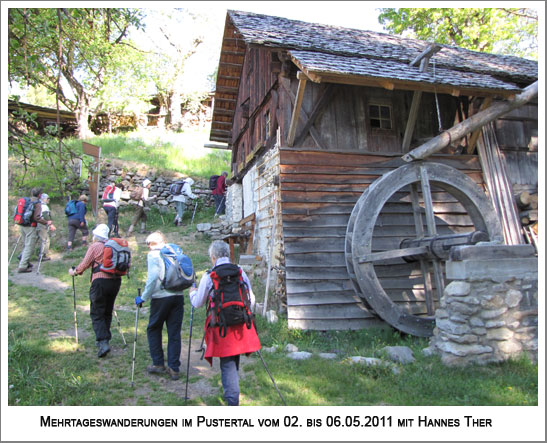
x,y
238,340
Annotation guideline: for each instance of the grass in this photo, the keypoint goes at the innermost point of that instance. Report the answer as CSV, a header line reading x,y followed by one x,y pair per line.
x,y
46,367
179,151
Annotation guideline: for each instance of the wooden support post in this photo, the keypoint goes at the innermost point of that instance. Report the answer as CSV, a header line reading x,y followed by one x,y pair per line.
x,y
296,109
475,136
270,259
319,106
423,58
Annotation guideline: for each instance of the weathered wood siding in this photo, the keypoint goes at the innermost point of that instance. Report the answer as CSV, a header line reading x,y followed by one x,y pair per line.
x,y
319,190
254,118
517,135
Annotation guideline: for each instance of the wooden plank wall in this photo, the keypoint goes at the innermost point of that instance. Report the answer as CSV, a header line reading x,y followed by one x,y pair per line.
x,y
319,190
517,135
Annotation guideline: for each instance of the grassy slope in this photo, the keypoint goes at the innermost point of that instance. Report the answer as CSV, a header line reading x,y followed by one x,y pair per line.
x,y
52,370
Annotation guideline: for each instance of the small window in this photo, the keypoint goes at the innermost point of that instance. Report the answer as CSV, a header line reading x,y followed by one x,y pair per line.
x,y
380,116
267,122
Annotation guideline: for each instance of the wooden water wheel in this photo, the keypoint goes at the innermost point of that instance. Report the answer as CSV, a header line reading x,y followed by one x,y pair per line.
x,y
394,260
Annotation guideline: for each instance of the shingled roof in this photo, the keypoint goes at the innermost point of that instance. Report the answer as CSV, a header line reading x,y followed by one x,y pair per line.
x,y
353,56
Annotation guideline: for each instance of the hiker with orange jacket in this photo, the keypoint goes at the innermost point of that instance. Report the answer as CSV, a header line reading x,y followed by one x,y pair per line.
x,y
103,291
225,342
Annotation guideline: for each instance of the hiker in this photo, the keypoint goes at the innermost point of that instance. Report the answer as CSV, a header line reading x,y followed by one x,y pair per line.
x,y
232,341
140,213
219,194
29,232
180,199
43,230
103,291
165,307
76,220
111,201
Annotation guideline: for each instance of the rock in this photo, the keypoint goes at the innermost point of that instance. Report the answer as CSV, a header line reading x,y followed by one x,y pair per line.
x,y
327,355
203,227
368,361
399,354
458,289
429,351
271,349
302,355
271,316
291,348
513,298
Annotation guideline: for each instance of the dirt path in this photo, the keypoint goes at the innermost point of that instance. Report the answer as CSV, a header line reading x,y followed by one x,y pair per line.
x,y
200,373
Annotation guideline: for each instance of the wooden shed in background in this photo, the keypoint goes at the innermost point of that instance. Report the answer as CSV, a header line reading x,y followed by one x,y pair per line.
x,y
314,114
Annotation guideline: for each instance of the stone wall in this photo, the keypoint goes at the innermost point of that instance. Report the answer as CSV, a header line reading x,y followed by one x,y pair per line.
x,y
133,177
489,312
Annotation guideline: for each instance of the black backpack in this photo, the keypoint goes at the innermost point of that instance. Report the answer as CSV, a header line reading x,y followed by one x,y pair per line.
x,y
213,182
229,300
176,188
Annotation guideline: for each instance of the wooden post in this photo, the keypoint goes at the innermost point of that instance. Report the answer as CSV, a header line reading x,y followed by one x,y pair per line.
x,y
272,243
296,109
474,122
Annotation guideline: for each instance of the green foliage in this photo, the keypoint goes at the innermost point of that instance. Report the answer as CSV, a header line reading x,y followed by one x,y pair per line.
x,y
39,160
510,31
174,151
68,51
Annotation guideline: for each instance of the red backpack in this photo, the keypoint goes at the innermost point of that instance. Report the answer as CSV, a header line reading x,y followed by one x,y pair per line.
x,y
108,194
229,300
116,258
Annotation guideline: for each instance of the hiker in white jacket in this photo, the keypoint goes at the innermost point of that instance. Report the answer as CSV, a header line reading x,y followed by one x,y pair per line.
x,y
181,199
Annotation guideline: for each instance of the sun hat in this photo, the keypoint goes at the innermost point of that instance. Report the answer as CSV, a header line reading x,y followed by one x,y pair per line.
x,y
146,182
101,231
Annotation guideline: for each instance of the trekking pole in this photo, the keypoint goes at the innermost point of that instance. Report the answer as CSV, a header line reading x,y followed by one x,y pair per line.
x,y
15,248
188,362
201,348
269,373
219,206
75,316
41,252
135,339
120,329
193,215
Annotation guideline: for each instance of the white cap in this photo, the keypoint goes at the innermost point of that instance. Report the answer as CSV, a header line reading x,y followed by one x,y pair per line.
x,y
44,197
101,231
146,182
190,181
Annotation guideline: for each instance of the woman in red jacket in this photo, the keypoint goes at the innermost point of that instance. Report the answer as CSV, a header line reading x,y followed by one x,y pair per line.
x,y
229,343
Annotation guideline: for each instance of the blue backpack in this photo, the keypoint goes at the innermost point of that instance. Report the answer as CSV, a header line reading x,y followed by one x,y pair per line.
x,y
179,270
70,208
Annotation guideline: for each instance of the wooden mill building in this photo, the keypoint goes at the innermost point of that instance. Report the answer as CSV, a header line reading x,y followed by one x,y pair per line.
x,y
314,114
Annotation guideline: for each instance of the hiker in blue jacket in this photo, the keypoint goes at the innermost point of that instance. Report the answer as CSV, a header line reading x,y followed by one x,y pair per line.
x,y
77,221
165,307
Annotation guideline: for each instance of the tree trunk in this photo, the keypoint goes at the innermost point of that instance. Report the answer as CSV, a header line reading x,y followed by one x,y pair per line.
x,y
175,110
82,117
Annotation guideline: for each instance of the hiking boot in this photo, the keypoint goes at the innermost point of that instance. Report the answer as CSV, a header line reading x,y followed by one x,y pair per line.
x,y
104,348
27,269
84,244
46,258
69,249
153,369
173,374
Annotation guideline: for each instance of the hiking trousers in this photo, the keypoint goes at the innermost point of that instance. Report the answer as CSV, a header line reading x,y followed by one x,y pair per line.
x,y
102,295
111,213
181,206
43,235
168,310
31,236
230,379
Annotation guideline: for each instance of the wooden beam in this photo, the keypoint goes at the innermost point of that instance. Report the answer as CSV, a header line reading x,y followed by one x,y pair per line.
x,y
296,109
323,101
216,146
315,135
427,53
474,122
475,136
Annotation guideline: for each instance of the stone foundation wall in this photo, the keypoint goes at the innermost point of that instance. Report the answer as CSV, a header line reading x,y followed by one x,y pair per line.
x,y
489,312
